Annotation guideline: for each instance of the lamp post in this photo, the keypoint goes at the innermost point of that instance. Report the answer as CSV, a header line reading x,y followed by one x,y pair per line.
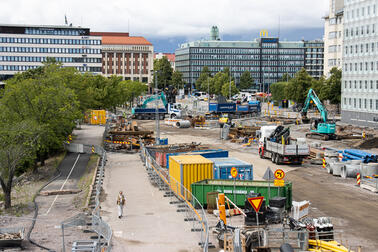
x,y
157,133
208,91
229,90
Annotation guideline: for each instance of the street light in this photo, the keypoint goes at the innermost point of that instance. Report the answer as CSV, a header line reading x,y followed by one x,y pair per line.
x,y
157,130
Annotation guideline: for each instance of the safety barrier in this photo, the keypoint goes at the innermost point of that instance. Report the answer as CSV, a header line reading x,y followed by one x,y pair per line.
x,y
186,202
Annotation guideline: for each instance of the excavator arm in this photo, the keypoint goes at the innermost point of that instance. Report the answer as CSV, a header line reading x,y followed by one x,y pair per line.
x,y
311,96
154,98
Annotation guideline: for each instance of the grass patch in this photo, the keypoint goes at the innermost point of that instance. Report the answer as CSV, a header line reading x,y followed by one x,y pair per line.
x,y
24,191
85,182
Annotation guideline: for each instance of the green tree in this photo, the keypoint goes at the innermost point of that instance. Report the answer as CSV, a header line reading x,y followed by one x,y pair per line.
x,y
334,84
205,74
278,90
164,76
177,80
219,80
298,86
285,77
131,90
17,145
226,89
246,80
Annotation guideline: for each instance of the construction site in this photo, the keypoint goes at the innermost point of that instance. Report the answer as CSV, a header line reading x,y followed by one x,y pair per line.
x,y
207,176
274,180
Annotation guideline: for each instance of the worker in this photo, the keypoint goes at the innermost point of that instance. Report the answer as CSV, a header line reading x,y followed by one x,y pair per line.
x,y
120,204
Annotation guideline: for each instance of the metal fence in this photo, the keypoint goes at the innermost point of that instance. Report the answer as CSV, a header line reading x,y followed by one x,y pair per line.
x,y
183,198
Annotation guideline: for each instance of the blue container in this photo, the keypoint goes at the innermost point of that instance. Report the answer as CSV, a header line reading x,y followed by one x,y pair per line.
x,y
223,166
163,141
219,153
242,108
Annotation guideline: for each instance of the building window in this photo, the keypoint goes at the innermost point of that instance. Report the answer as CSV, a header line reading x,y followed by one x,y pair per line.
x,y
354,102
359,103
371,84
366,84
371,103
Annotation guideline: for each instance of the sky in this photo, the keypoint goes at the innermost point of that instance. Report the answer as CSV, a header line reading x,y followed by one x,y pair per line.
x,y
167,23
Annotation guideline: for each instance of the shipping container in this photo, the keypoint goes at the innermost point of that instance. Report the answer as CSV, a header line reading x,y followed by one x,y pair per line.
x,y
186,170
216,153
98,117
223,166
160,158
241,188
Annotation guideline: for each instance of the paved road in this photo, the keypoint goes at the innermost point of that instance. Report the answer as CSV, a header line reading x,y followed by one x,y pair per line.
x,y
150,222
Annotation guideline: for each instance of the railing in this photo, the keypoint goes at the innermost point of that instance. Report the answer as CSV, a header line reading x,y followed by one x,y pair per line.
x,y
102,228
187,202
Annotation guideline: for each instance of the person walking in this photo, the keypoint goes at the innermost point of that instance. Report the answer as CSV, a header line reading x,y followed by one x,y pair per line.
x,y
120,204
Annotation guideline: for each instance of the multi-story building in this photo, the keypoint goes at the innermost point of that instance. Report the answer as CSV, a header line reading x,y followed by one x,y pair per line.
x,y
170,57
128,56
314,51
359,89
333,36
268,59
24,47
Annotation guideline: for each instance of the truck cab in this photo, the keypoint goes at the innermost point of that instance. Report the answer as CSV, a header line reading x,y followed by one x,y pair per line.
x,y
175,110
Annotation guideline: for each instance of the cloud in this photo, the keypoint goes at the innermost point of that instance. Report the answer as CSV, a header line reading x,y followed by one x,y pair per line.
x,y
168,18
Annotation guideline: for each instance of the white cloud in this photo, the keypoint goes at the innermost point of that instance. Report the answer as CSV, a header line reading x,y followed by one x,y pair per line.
x,y
167,18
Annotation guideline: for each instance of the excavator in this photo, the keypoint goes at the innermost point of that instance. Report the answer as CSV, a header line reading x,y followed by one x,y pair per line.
x,y
323,128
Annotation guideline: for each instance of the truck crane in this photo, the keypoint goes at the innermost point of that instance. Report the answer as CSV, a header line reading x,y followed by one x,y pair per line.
x,y
320,128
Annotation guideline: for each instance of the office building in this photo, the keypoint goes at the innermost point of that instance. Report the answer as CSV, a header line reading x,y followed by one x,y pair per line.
x,y
130,57
24,47
314,53
359,89
268,59
170,57
333,36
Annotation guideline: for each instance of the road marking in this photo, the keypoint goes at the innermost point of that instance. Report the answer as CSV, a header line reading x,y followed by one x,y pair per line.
x,y
61,188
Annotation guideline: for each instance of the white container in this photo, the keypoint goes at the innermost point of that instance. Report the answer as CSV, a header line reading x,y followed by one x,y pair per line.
x,y
300,209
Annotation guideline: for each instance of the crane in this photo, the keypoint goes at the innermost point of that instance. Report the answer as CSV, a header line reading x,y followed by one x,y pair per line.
x,y
320,129
154,98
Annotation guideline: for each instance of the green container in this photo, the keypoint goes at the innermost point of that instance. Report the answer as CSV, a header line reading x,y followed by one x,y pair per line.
x,y
242,188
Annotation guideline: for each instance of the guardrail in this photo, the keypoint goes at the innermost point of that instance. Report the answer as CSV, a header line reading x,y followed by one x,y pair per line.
x,y
187,203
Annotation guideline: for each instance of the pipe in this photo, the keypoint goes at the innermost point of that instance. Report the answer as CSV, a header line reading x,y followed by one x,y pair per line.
x,y
336,168
183,124
350,171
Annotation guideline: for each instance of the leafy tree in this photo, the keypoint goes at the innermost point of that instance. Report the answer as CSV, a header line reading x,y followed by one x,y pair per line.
x,y
177,80
219,80
278,90
164,76
246,80
17,145
285,77
131,90
334,84
226,89
205,74
298,86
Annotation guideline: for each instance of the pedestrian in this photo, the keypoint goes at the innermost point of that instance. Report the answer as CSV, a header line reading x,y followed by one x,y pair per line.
x,y
120,204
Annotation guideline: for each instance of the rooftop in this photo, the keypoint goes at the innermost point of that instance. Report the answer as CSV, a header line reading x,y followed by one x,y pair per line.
x,y
120,38
43,26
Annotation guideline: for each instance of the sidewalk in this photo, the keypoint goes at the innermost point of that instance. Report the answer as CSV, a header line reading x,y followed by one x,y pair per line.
x,y
150,223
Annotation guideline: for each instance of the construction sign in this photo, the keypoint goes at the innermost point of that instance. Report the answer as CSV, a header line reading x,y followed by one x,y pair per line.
x,y
234,172
279,174
93,149
256,202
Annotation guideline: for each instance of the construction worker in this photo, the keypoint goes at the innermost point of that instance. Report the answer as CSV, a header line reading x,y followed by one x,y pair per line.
x,y
120,204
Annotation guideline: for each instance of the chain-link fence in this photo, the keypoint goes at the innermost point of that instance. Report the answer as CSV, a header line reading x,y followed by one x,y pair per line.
x,y
181,196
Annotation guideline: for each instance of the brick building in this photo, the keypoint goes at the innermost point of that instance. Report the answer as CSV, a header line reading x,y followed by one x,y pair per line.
x,y
128,56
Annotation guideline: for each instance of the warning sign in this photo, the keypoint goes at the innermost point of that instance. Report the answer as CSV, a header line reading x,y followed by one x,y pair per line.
x,y
234,172
256,202
279,174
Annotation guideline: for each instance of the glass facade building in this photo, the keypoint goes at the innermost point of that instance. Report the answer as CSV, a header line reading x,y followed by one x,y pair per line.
x,y
267,59
26,47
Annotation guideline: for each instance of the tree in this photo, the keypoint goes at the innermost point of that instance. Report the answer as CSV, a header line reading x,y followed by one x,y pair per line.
x,y
177,80
131,90
278,90
226,89
246,80
164,76
219,80
285,77
298,86
204,75
17,145
334,84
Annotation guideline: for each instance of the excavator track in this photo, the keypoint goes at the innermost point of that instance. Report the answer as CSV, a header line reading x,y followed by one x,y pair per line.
x,y
318,136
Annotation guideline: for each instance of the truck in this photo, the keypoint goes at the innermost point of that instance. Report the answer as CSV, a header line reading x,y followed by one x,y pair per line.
x,y
275,143
143,113
253,107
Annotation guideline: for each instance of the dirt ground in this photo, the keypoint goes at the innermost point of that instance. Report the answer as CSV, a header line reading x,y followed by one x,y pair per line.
x,y
353,210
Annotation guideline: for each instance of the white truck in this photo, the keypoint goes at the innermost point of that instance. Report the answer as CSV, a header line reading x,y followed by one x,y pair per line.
x,y
281,151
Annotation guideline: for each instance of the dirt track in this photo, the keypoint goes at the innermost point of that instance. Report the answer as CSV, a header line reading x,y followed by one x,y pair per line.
x,y
352,209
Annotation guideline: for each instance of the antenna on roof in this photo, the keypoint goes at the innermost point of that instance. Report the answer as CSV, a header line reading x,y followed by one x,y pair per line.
x,y
65,19
279,25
